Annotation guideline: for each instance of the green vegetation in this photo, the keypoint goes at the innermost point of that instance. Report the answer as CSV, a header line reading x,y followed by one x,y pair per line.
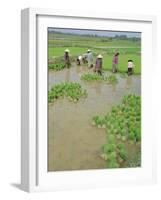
x,y
123,59
112,79
107,57
114,153
67,40
135,161
56,66
123,75
96,77
73,91
78,45
122,124
92,77
59,51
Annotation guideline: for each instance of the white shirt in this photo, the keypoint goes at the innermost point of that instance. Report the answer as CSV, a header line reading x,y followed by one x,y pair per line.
x,y
90,57
130,64
80,57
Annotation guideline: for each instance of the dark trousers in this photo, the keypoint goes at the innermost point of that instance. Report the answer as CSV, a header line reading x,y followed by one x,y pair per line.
x,y
99,72
67,63
78,62
130,71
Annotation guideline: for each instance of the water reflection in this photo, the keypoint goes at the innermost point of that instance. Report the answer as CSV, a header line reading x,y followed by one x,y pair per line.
x,y
129,82
73,142
97,87
67,75
113,86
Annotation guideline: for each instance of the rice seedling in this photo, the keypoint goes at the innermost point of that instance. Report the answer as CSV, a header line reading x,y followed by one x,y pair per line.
x,y
91,77
123,75
113,164
73,91
100,122
123,124
111,79
135,161
104,156
109,147
123,154
56,66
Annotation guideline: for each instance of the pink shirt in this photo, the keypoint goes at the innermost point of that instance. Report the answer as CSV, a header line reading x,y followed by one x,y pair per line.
x,y
98,63
115,59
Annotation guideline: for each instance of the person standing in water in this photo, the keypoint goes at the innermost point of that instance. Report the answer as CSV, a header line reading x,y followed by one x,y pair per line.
x,y
115,63
67,58
130,67
98,66
90,58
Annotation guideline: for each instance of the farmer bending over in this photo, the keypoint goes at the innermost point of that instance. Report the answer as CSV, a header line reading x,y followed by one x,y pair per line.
x,y
84,58
115,63
79,59
90,58
98,66
130,67
66,58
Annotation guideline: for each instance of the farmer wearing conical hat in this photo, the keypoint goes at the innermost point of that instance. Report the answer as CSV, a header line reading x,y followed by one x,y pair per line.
x,y
90,58
67,58
98,66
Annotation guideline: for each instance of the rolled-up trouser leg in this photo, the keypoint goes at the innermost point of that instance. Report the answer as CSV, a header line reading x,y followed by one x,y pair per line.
x,y
114,68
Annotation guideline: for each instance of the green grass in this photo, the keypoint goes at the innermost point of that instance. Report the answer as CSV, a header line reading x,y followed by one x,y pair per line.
x,y
76,40
59,51
122,66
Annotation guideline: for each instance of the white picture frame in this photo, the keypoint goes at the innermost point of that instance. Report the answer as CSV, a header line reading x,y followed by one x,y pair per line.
x,y
34,176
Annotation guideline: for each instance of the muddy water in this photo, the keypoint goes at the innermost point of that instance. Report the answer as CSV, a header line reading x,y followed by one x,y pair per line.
x,y
73,143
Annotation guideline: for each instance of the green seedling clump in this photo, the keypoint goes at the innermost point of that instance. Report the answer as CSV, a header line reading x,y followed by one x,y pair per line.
x,y
91,77
123,124
56,66
96,77
126,118
112,79
73,91
135,161
99,122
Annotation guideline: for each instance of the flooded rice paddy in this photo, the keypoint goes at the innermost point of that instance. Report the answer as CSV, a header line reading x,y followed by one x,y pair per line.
x,y
73,143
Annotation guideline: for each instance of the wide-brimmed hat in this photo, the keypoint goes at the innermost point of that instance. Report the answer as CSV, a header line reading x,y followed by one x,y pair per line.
x,y
88,50
67,50
99,56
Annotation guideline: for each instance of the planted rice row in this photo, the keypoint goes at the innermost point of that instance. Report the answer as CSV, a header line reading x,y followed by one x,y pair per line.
x,y
96,77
